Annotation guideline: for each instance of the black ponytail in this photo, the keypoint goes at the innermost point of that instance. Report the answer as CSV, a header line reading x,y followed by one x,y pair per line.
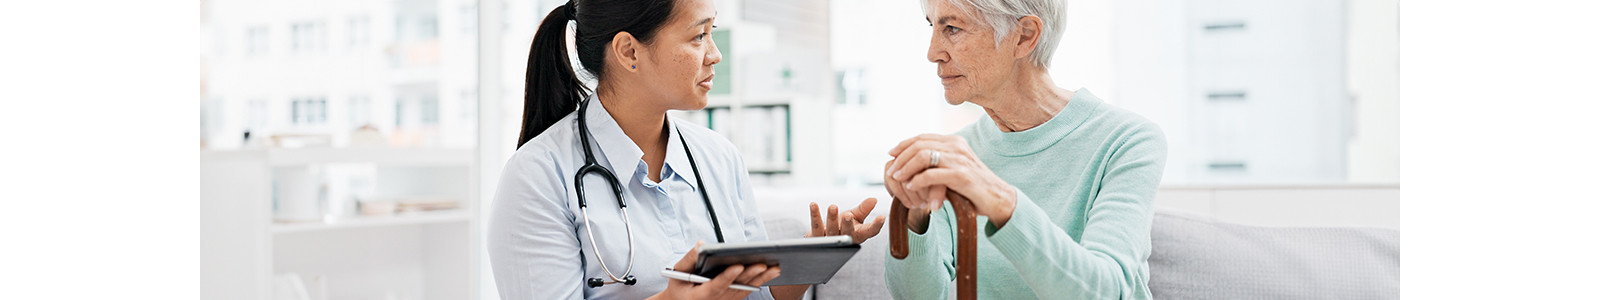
x,y
552,88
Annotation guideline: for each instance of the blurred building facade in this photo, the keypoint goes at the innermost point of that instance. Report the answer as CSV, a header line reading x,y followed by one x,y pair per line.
x,y
405,68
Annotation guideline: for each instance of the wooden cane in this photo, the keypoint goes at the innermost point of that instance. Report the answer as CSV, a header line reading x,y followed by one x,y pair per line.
x,y
966,241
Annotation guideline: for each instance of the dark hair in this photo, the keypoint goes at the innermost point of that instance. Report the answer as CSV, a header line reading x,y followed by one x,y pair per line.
x,y
552,89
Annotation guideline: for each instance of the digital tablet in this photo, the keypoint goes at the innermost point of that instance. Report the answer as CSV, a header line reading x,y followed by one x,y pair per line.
x,y
804,261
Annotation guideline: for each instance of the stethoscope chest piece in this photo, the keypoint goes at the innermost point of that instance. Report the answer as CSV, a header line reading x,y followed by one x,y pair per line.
x,y
626,280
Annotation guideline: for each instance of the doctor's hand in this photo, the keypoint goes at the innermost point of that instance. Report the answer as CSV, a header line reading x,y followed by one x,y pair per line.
x,y
717,288
916,173
853,222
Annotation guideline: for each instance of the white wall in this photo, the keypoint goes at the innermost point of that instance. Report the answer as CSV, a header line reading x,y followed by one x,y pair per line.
x,y
1151,75
1084,57
1290,120
1374,153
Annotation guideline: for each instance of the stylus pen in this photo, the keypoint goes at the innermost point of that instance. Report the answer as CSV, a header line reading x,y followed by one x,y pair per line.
x,y
669,273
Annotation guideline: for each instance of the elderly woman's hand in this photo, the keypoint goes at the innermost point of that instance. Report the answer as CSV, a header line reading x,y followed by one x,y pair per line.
x,y
923,181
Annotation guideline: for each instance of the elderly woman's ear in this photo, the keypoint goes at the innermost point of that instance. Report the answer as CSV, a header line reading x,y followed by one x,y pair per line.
x,y
1027,31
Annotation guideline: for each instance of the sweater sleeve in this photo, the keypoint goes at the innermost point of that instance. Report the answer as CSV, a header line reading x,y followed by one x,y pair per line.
x,y
1110,259
927,271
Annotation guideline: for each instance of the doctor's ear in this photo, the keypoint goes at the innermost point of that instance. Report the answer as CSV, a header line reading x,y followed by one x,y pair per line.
x,y
625,49
1028,30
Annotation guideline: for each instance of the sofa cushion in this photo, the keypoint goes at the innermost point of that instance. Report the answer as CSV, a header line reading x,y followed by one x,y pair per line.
x,y
862,277
1195,257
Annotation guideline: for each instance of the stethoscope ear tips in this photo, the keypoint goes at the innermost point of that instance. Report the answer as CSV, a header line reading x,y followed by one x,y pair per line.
x,y
629,280
596,282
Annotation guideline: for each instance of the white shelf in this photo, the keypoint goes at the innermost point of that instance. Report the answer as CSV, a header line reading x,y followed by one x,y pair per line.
x,y
381,156
447,216
727,101
776,167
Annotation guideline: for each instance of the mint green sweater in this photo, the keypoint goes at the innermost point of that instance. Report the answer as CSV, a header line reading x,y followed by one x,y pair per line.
x,y
1085,183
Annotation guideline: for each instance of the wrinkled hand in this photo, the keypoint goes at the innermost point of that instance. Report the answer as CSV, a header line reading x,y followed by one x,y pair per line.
x,y
850,222
717,288
917,215
923,186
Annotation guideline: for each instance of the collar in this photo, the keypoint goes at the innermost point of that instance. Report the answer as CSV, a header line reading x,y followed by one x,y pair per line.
x,y
625,158
1082,105
677,162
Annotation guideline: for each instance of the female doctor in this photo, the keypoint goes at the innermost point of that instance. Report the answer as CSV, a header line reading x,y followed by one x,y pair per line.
x,y
604,190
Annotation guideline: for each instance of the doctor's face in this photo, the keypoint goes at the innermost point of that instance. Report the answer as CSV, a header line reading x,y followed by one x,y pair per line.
x,y
678,65
971,66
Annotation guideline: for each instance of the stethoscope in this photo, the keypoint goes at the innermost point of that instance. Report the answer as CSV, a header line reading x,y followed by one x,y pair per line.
x,y
589,166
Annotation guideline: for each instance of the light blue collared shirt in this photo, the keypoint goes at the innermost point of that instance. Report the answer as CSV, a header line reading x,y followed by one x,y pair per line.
x,y
538,244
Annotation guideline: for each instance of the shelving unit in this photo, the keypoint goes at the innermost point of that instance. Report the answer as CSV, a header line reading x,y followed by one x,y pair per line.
x,y
410,255
727,116
381,156
422,218
797,127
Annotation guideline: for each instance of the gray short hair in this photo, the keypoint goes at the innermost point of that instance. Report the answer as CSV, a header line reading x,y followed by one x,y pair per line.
x,y
1001,14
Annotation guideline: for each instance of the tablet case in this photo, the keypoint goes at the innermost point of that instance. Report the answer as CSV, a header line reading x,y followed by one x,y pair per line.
x,y
801,265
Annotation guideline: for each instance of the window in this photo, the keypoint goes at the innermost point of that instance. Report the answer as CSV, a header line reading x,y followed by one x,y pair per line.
x,y
360,31
416,28
469,104
319,112
309,111
430,110
399,112
208,115
257,118
469,18
360,109
219,42
255,40
307,37
428,27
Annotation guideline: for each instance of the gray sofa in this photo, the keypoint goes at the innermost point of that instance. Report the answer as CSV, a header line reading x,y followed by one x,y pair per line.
x,y
1194,257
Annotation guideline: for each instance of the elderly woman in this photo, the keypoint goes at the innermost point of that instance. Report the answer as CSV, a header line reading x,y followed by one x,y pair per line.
x,y
1062,181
